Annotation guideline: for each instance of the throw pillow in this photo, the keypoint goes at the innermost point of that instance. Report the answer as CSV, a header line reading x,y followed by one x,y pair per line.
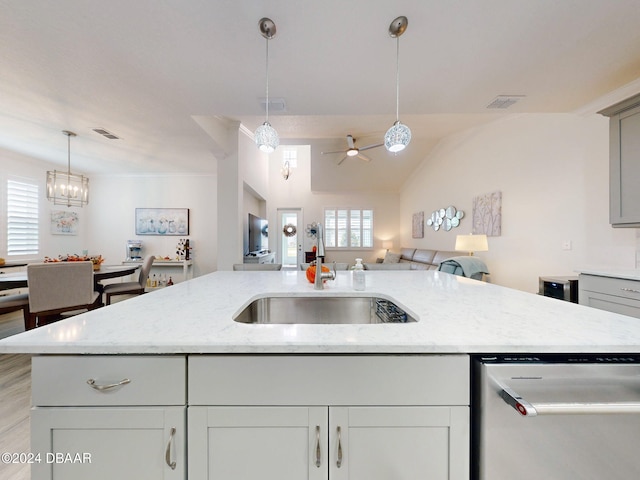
x,y
391,258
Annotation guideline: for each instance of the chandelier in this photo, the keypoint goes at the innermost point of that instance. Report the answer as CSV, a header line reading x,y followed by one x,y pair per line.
x,y
399,135
266,136
66,188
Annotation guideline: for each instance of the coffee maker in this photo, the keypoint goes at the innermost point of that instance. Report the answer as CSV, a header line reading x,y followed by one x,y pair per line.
x,y
134,250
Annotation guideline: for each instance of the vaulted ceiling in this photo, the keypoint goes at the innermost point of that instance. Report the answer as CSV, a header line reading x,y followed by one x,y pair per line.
x,y
144,69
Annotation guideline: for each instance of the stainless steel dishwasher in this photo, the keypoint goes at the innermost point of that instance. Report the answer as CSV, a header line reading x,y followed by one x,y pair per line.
x,y
559,417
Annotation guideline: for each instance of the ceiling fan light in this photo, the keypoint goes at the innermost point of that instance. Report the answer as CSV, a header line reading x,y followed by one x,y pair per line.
x,y
266,138
352,152
397,137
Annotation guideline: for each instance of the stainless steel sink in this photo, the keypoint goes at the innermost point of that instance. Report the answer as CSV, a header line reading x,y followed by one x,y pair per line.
x,y
322,310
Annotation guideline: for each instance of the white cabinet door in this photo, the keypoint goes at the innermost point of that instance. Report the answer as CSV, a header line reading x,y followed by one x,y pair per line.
x,y
266,443
102,443
408,443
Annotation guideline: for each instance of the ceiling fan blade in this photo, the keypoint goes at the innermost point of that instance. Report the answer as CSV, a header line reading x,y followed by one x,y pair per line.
x,y
350,142
363,157
371,146
343,159
337,151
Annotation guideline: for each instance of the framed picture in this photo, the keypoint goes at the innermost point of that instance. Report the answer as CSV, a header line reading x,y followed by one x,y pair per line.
x,y
417,228
162,221
64,222
487,214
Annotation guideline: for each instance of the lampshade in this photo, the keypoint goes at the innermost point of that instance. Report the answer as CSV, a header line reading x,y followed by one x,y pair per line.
x,y
66,188
266,138
397,137
471,243
387,245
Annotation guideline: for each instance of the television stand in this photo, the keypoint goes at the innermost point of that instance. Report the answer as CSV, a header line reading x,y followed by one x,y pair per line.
x,y
260,258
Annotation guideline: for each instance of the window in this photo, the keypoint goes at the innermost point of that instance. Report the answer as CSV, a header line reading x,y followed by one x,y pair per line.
x,y
348,228
290,156
22,218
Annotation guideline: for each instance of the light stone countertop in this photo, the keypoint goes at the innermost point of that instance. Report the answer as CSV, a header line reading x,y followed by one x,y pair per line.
x,y
456,315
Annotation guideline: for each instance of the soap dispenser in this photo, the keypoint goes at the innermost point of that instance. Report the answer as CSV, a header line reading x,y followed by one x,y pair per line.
x,y
358,275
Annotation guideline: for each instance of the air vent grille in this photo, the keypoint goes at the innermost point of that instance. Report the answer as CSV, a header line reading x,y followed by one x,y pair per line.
x,y
106,133
505,101
275,105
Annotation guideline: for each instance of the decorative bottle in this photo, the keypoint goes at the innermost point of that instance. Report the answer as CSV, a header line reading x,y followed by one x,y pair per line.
x,y
358,275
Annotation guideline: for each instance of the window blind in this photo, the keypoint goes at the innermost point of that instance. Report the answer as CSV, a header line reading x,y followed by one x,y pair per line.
x,y
22,218
348,228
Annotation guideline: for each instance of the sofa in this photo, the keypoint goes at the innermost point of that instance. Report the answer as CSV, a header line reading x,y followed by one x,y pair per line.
x,y
412,259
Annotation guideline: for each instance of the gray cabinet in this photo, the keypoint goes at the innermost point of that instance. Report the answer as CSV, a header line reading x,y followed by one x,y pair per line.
x,y
624,158
329,417
616,295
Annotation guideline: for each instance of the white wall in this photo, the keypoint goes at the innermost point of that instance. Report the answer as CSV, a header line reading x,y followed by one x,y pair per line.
x,y
552,170
110,215
296,193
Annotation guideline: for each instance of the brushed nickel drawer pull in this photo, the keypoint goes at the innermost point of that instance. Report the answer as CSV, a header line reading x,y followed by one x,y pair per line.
x,y
167,453
339,460
92,383
631,290
318,451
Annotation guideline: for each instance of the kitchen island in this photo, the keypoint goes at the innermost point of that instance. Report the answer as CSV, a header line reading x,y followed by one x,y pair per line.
x,y
172,368
455,315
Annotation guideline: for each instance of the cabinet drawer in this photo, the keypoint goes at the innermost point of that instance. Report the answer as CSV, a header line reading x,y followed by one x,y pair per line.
x,y
619,287
610,303
60,380
329,380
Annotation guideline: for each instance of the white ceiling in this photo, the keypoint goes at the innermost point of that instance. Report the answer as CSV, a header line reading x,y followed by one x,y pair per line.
x,y
144,69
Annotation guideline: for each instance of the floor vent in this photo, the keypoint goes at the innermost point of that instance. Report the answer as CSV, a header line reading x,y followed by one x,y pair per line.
x,y
505,101
106,133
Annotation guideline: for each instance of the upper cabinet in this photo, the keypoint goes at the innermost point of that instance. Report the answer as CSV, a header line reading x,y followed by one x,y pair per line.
x,y
624,168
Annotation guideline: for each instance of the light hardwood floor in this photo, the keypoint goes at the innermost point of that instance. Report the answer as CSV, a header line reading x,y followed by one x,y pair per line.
x,y
15,401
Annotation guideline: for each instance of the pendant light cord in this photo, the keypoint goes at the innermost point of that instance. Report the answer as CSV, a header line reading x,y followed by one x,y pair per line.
x,y
267,92
397,78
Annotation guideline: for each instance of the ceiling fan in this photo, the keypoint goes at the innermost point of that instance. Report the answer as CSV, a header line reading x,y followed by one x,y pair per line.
x,y
354,151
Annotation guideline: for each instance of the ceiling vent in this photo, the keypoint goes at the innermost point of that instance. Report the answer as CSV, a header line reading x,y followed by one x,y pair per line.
x,y
105,133
275,105
505,101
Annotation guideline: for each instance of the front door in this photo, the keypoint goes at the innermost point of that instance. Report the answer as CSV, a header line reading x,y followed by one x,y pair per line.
x,y
291,236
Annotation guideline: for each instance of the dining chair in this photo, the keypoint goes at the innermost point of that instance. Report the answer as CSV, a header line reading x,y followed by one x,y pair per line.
x,y
256,267
130,288
56,288
13,303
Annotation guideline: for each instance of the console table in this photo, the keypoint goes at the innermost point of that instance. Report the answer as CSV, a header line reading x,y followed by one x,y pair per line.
x,y
186,265
260,258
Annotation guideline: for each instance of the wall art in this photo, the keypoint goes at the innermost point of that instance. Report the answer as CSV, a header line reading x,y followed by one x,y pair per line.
x,y
445,218
64,222
417,227
487,214
162,221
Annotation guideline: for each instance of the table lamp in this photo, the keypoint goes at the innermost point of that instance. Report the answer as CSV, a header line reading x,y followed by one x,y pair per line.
x,y
471,243
387,245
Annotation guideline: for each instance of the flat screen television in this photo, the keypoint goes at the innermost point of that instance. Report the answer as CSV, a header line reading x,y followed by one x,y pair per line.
x,y
258,234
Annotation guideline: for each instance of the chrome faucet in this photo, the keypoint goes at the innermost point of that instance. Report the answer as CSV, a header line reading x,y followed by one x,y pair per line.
x,y
318,283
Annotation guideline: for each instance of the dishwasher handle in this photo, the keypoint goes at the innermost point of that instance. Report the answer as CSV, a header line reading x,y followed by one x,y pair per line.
x,y
527,409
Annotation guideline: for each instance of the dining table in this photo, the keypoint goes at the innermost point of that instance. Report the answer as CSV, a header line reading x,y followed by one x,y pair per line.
x,y
19,279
